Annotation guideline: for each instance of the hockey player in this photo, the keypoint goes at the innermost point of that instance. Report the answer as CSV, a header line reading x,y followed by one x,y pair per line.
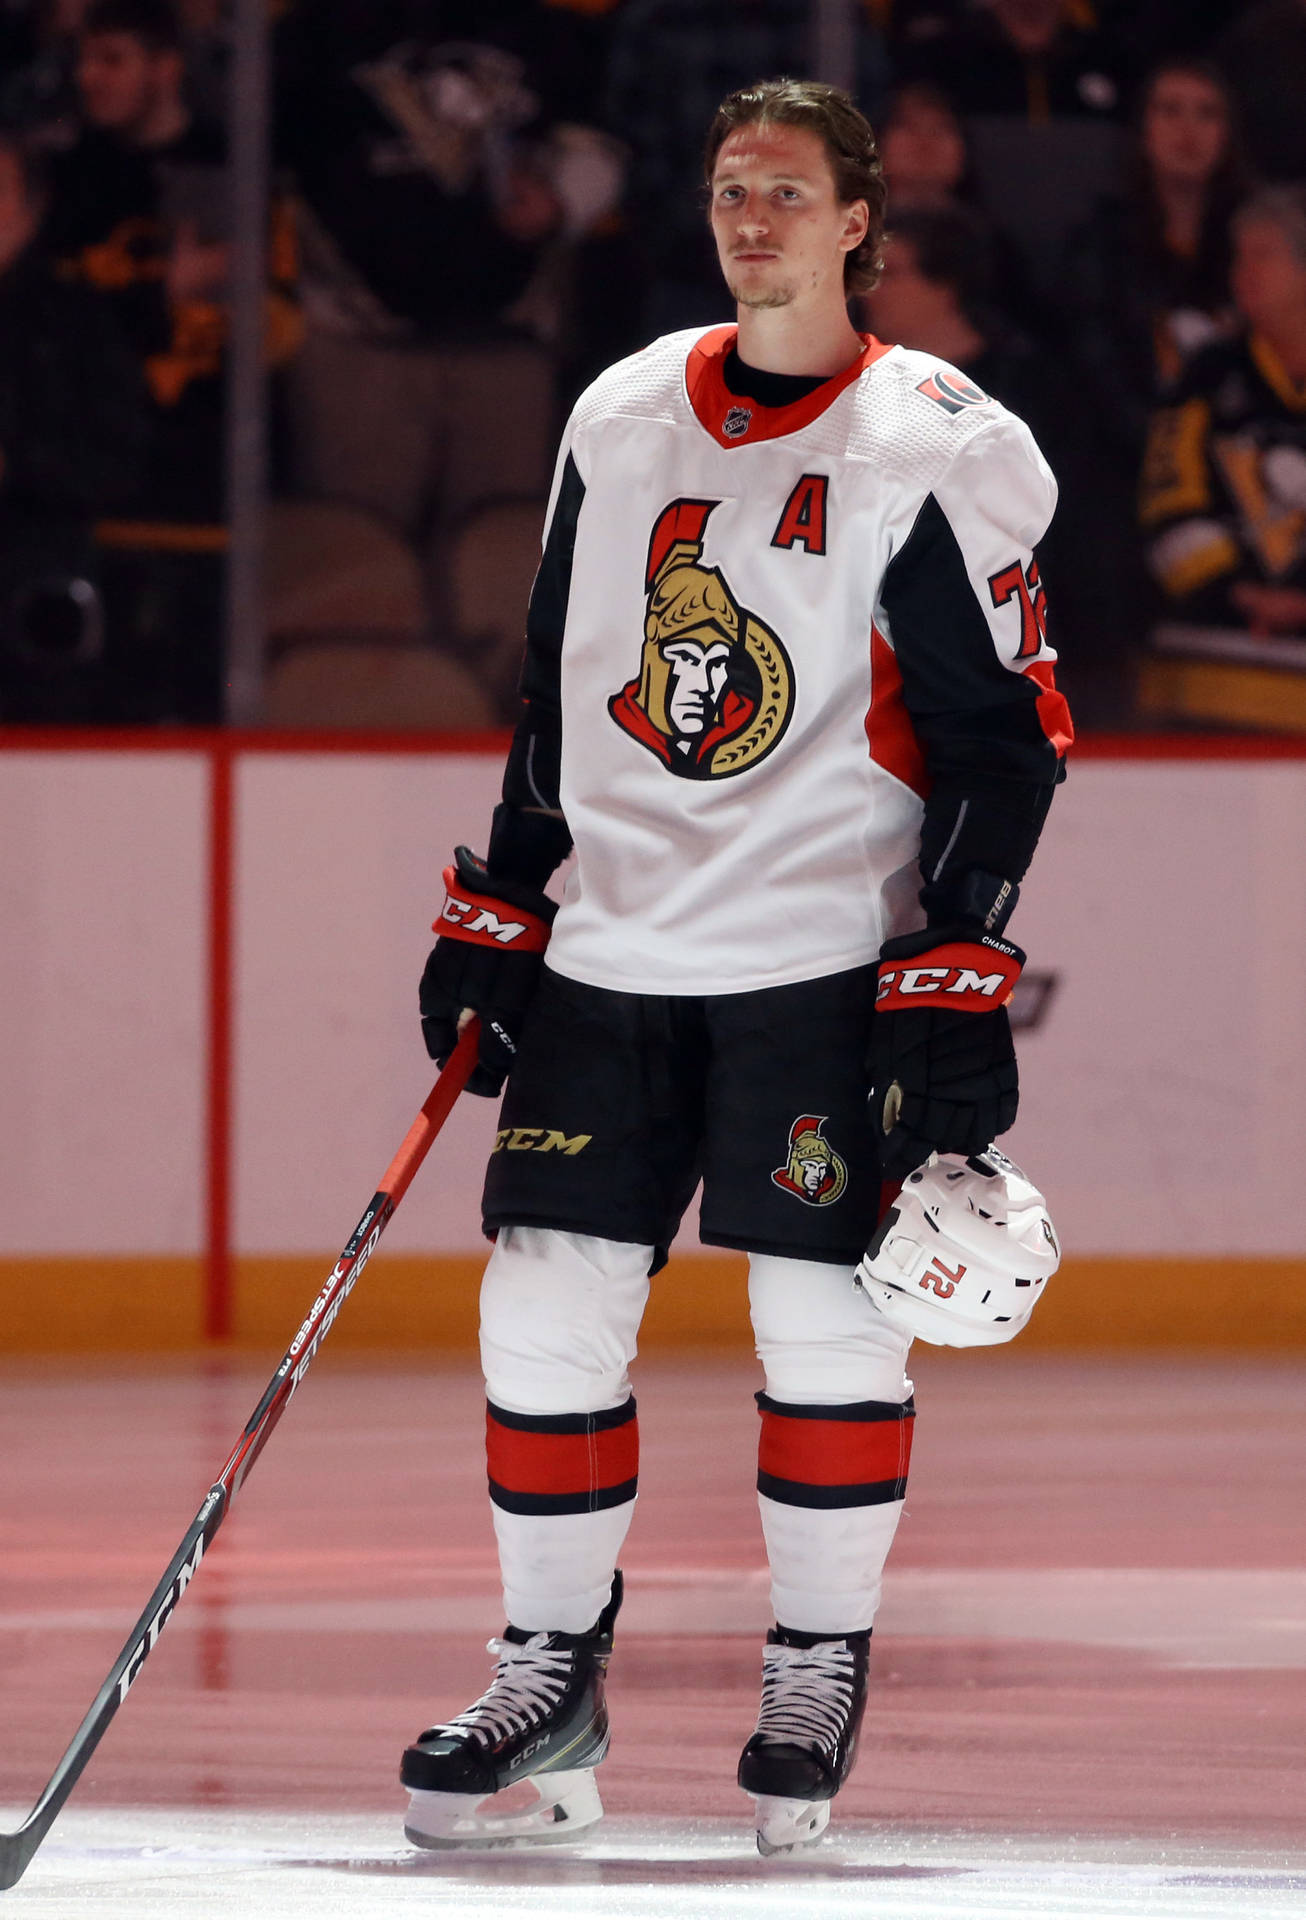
x,y
788,695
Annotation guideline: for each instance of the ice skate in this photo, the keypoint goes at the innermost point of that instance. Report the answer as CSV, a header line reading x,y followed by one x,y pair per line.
x,y
799,1755
517,1767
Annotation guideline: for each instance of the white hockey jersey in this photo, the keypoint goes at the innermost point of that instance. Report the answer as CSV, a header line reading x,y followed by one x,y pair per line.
x,y
746,618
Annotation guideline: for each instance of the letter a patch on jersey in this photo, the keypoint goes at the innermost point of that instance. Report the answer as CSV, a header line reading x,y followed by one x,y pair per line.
x,y
803,520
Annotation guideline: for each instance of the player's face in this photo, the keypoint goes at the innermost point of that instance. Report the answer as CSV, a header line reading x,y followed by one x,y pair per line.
x,y
698,679
781,233
1185,127
1268,276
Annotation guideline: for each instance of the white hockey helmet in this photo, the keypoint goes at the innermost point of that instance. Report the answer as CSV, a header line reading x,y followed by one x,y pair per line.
x,y
960,1257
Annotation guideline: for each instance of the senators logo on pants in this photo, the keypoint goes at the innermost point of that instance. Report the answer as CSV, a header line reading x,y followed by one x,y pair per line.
x,y
715,687
814,1172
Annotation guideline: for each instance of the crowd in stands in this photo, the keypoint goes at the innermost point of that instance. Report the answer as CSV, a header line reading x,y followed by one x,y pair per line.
x,y
1097,211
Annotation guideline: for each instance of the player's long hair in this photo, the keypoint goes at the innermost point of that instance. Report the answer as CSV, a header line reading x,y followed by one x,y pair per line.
x,y
849,141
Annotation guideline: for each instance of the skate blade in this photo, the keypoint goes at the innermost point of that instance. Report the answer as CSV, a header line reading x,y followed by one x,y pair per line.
x,y
565,1804
789,1826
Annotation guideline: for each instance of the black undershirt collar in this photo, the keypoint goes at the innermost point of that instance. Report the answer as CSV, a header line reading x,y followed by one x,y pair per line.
x,y
768,389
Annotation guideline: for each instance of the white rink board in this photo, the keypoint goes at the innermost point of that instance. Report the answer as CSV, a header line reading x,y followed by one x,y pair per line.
x,y
103,985
1162,1099
339,862
1161,1096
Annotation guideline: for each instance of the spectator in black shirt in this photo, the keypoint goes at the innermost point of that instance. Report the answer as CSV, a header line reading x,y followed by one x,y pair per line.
x,y
943,292
425,140
73,428
1146,280
1028,59
1264,55
923,149
38,48
140,213
1042,97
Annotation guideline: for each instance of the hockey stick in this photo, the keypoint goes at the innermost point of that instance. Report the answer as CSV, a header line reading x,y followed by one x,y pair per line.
x,y
17,1849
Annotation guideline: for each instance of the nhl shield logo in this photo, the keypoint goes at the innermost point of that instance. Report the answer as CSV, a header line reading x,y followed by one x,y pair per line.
x,y
814,1172
737,422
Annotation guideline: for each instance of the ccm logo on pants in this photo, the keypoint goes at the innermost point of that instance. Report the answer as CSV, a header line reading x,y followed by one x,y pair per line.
x,y
539,1140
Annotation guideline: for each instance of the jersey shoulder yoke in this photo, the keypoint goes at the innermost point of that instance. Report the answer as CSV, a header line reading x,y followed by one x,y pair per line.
x,y
648,385
909,414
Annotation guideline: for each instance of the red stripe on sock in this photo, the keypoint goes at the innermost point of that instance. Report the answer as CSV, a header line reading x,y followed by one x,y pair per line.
x,y
834,1453
561,1463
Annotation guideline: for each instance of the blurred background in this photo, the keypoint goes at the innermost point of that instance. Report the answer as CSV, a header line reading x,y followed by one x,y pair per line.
x,y
294,299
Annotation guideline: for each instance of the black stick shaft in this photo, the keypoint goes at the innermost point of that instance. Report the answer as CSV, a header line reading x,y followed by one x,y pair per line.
x,y
16,1849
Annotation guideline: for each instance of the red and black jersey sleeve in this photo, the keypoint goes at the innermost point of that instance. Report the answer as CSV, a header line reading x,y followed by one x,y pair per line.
x,y
966,613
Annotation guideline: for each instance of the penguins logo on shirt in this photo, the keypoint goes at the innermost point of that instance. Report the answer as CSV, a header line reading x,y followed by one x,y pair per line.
x,y
814,1172
715,686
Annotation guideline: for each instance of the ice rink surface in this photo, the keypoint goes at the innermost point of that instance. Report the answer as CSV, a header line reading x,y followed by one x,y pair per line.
x,y
1089,1675
266,1866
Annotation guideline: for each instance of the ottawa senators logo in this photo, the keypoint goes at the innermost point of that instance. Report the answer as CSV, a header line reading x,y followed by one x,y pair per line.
x,y
715,688
951,392
814,1170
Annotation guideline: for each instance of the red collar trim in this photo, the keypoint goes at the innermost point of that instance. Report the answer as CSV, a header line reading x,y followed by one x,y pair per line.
x,y
714,404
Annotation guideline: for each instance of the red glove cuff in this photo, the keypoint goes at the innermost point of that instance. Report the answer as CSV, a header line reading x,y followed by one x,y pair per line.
x,y
962,976
485,921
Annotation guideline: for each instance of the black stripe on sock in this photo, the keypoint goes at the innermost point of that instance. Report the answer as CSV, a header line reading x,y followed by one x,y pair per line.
x,y
867,1411
601,1422
798,1493
544,1503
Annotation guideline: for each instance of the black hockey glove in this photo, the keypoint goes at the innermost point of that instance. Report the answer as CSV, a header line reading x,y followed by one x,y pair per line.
x,y
943,1067
491,947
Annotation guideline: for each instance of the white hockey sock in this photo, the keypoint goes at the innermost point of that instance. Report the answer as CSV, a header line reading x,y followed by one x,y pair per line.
x,y
835,1445
557,1570
560,1313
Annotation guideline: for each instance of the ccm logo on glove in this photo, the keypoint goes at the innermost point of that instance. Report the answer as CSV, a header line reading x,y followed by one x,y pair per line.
x,y
488,957
971,976
471,916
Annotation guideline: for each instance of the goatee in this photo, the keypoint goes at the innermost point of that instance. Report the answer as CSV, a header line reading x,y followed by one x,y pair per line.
x,y
759,301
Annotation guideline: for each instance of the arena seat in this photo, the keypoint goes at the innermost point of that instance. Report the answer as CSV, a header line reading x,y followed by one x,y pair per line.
x,y
332,568
373,684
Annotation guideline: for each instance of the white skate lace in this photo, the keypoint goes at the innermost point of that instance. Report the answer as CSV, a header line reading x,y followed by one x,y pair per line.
x,y
528,1683
807,1695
